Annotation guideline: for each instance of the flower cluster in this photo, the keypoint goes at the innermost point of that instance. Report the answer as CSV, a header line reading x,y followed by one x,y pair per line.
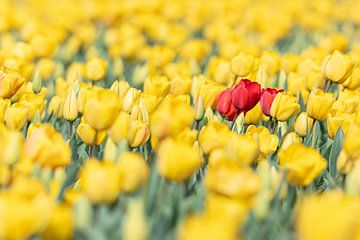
x,y
190,120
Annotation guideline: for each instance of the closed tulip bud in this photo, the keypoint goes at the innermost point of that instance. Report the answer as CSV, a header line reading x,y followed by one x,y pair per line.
x,y
303,124
4,104
61,224
135,226
100,181
81,98
96,69
246,95
101,108
56,106
290,139
199,109
177,161
37,82
225,106
138,133
15,116
268,142
255,115
266,99
337,67
89,135
121,127
319,104
302,164
242,64
118,67
130,99
337,119
352,142
70,111
284,107
133,171
353,81
158,86
46,146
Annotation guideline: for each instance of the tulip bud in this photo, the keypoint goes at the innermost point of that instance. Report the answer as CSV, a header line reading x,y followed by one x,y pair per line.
x,y
254,116
290,139
158,85
121,127
284,107
337,67
4,104
199,109
319,104
337,119
118,67
353,81
37,82
56,107
130,99
352,142
139,74
89,135
303,124
120,88
70,111
110,150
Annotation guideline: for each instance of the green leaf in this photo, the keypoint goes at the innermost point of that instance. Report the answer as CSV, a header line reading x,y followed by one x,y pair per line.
x,y
335,151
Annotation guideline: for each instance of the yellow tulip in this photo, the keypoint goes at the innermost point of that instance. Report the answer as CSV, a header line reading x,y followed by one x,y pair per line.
x,y
254,116
337,213
302,164
121,127
244,149
158,86
46,68
61,223
314,79
100,181
120,88
347,101
242,64
337,67
337,119
15,116
133,171
180,84
303,124
4,104
10,82
130,99
96,69
135,225
214,135
353,81
56,106
209,91
89,135
290,139
34,103
319,104
138,134
268,143
150,101
270,61
352,142
284,107
229,179
12,146
177,161
101,108
46,146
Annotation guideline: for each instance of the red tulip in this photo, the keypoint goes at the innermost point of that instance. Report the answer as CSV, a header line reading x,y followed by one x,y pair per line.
x,y
246,95
267,98
224,105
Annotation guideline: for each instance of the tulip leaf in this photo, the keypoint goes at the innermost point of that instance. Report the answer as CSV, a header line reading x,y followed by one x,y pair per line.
x,y
335,151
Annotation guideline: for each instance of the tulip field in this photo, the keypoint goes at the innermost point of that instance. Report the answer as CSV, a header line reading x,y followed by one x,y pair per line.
x,y
180,120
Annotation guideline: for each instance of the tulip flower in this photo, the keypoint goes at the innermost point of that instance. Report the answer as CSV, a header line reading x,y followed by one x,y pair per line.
x,y
225,106
284,107
319,104
246,95
337,67
267,98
